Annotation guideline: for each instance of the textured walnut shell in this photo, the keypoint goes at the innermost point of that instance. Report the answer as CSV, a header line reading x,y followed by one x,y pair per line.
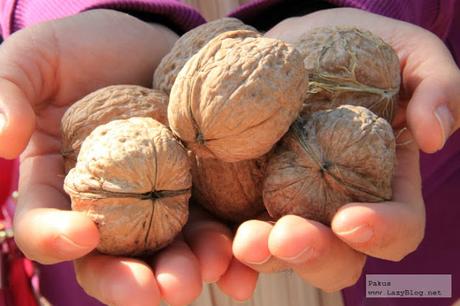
x,y
335,157
350,66
237,96
104,105
133,180
189,44
231,191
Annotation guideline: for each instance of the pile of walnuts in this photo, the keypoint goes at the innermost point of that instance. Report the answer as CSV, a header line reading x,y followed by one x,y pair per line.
x,y
240,124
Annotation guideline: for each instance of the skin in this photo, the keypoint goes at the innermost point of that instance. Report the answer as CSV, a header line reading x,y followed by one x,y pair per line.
x,y
43,70
333,258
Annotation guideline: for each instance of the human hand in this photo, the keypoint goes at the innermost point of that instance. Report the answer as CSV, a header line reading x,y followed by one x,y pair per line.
x,y
333,258
429,96
43,70
201,254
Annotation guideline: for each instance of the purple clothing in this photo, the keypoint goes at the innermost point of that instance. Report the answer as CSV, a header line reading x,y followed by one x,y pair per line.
x,y
439,252
17,14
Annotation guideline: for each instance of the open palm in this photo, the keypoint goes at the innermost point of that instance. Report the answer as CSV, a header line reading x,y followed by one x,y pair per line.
x,y
333,258
43,70
429,73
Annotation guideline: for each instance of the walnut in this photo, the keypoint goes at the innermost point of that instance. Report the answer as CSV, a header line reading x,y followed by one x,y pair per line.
x,y
189,44
231,191
331,158
350,66
104,105
237,96
133,179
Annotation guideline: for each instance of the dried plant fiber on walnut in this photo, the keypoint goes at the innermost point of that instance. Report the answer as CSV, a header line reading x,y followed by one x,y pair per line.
x,y
230,191
133,180
332,158
189,44
237,96
350,66
104,105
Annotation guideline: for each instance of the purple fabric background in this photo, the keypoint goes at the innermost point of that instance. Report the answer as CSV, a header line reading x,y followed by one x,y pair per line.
x,y
440,251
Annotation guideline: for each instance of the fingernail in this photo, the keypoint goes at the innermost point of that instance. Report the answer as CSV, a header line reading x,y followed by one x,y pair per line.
x,y
445,120
2,121
305,255
359,234
260,262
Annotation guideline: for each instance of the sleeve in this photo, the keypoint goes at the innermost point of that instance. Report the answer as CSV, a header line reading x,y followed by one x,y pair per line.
x,y
17,14
434,15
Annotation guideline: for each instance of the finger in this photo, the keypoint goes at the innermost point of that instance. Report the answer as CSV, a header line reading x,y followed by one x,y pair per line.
x,y
17,118
239,282
250,246
315,254
43,231
50,236
117,281
43,65
388,230
431,82
177,272
28,71
433,112
211,242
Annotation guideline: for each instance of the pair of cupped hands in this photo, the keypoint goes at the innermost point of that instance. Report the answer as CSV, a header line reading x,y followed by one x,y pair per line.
x,y
45,68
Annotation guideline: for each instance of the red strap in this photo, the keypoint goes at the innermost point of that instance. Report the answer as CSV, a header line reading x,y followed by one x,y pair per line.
x,y
19,281
16,271
8,178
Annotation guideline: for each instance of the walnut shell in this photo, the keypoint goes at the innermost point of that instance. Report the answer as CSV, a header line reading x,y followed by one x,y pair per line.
x,y
189,44
104,105
230,191
334,157
237,96
350,66
133,180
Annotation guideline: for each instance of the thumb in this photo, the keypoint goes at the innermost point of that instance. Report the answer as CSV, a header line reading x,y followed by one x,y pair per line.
x,y
433,113
26,66
17,119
